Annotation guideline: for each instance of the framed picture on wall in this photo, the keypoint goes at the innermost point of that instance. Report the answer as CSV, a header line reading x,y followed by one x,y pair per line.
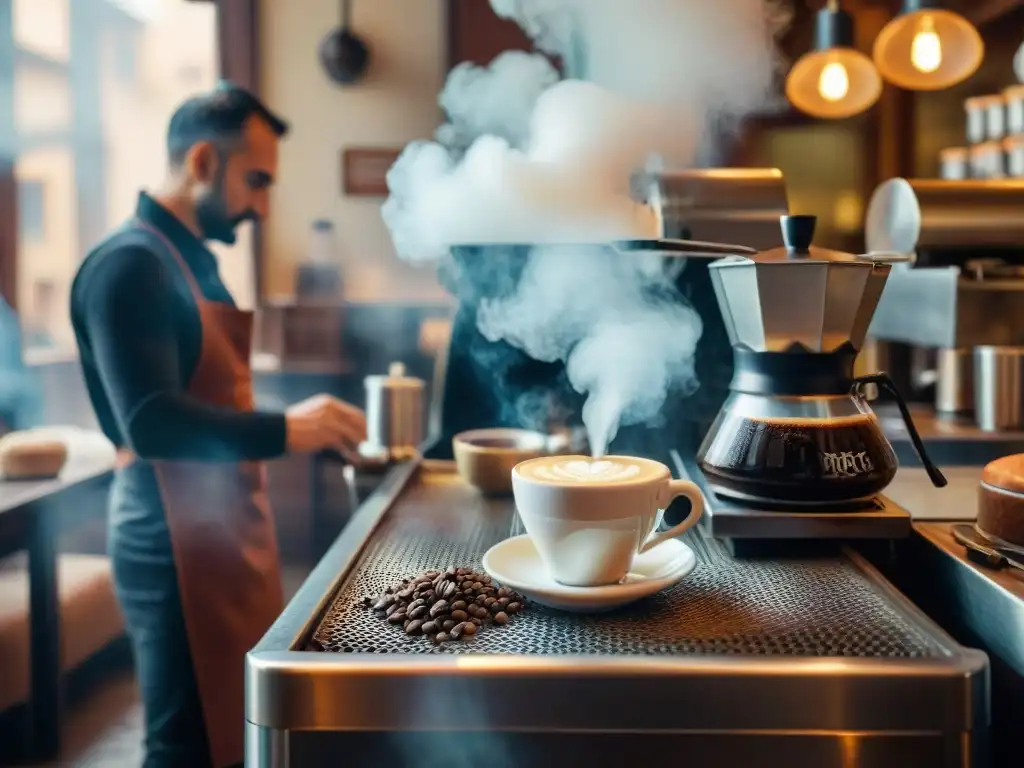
x,y
364,170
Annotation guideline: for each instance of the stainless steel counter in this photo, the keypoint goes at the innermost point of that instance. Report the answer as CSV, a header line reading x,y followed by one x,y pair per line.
x,y
981,607
812,661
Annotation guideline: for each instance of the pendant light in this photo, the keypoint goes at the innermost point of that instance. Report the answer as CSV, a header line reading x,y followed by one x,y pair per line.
x,y
834,81
927,48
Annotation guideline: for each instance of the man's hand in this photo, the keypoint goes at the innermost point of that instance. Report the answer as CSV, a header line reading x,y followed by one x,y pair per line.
x,y
324,422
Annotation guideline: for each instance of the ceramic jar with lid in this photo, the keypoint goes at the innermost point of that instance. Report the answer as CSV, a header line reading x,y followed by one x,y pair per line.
x,y
1013,149
986,118
987,161
954,163
1014,100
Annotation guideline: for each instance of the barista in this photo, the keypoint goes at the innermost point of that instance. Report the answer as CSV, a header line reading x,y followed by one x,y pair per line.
x,y
165,355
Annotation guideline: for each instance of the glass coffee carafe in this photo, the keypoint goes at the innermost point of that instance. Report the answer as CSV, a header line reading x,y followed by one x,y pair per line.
x,y
797,449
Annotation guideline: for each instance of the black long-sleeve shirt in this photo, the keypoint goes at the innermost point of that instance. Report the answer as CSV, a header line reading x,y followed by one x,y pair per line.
x,y
139,336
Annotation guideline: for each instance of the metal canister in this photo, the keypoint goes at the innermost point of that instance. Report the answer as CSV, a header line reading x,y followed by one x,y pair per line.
x,y
954,381
395,415
999,388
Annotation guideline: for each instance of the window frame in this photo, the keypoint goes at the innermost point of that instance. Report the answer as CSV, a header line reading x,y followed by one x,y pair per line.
x,y
239,60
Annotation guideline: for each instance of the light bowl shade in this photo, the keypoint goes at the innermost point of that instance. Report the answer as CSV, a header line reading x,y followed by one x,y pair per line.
x,y
815,84
958,55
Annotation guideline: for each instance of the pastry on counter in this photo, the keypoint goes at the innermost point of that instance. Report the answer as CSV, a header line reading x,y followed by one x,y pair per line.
x,y
31,454
1001,500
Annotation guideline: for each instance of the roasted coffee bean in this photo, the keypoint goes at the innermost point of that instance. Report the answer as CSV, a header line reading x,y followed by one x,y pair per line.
x,y
445,605
447,589
414,627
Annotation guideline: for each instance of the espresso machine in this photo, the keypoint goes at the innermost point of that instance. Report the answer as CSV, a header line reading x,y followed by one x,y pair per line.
x,y
950,325
485,381
796,290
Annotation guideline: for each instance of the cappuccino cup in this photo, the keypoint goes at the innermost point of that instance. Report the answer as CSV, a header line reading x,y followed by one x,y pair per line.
x,y
590,518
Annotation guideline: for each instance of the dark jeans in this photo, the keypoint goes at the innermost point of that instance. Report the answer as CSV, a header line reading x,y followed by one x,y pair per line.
x,y
147,589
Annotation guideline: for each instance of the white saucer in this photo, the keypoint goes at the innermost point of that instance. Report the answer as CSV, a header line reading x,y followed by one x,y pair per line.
x,y
515,563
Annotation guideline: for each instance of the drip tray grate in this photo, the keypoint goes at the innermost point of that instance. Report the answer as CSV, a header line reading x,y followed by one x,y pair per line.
x,y
825,607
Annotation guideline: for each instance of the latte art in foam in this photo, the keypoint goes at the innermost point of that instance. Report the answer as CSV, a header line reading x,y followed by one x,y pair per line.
x,y
580,469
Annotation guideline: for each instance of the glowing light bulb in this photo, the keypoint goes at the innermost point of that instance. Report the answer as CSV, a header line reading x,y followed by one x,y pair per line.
x,y
926,49
833,83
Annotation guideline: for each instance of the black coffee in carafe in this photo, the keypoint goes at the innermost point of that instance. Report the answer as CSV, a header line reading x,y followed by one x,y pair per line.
x,y
835,460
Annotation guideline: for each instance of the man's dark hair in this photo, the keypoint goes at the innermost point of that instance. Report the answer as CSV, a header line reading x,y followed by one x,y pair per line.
x,y
216,116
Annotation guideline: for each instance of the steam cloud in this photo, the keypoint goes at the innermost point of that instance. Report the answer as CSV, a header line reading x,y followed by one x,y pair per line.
x,y
529,158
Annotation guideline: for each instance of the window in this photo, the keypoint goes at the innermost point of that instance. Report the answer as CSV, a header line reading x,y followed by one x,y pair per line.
x,y
125,64
93,86
32,209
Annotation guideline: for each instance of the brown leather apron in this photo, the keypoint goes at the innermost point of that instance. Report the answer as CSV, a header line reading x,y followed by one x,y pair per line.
x,y
222,532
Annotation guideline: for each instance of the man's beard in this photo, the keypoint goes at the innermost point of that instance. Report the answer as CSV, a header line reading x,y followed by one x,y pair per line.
x,y
214,220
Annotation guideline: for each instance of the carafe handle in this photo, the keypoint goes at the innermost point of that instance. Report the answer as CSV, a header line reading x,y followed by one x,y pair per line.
x,y
883,382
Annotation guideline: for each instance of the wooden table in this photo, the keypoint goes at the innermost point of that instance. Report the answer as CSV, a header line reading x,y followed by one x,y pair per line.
x,y
29,515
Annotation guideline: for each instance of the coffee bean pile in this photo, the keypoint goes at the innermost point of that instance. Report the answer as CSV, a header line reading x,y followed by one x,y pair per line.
x,y
446,605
